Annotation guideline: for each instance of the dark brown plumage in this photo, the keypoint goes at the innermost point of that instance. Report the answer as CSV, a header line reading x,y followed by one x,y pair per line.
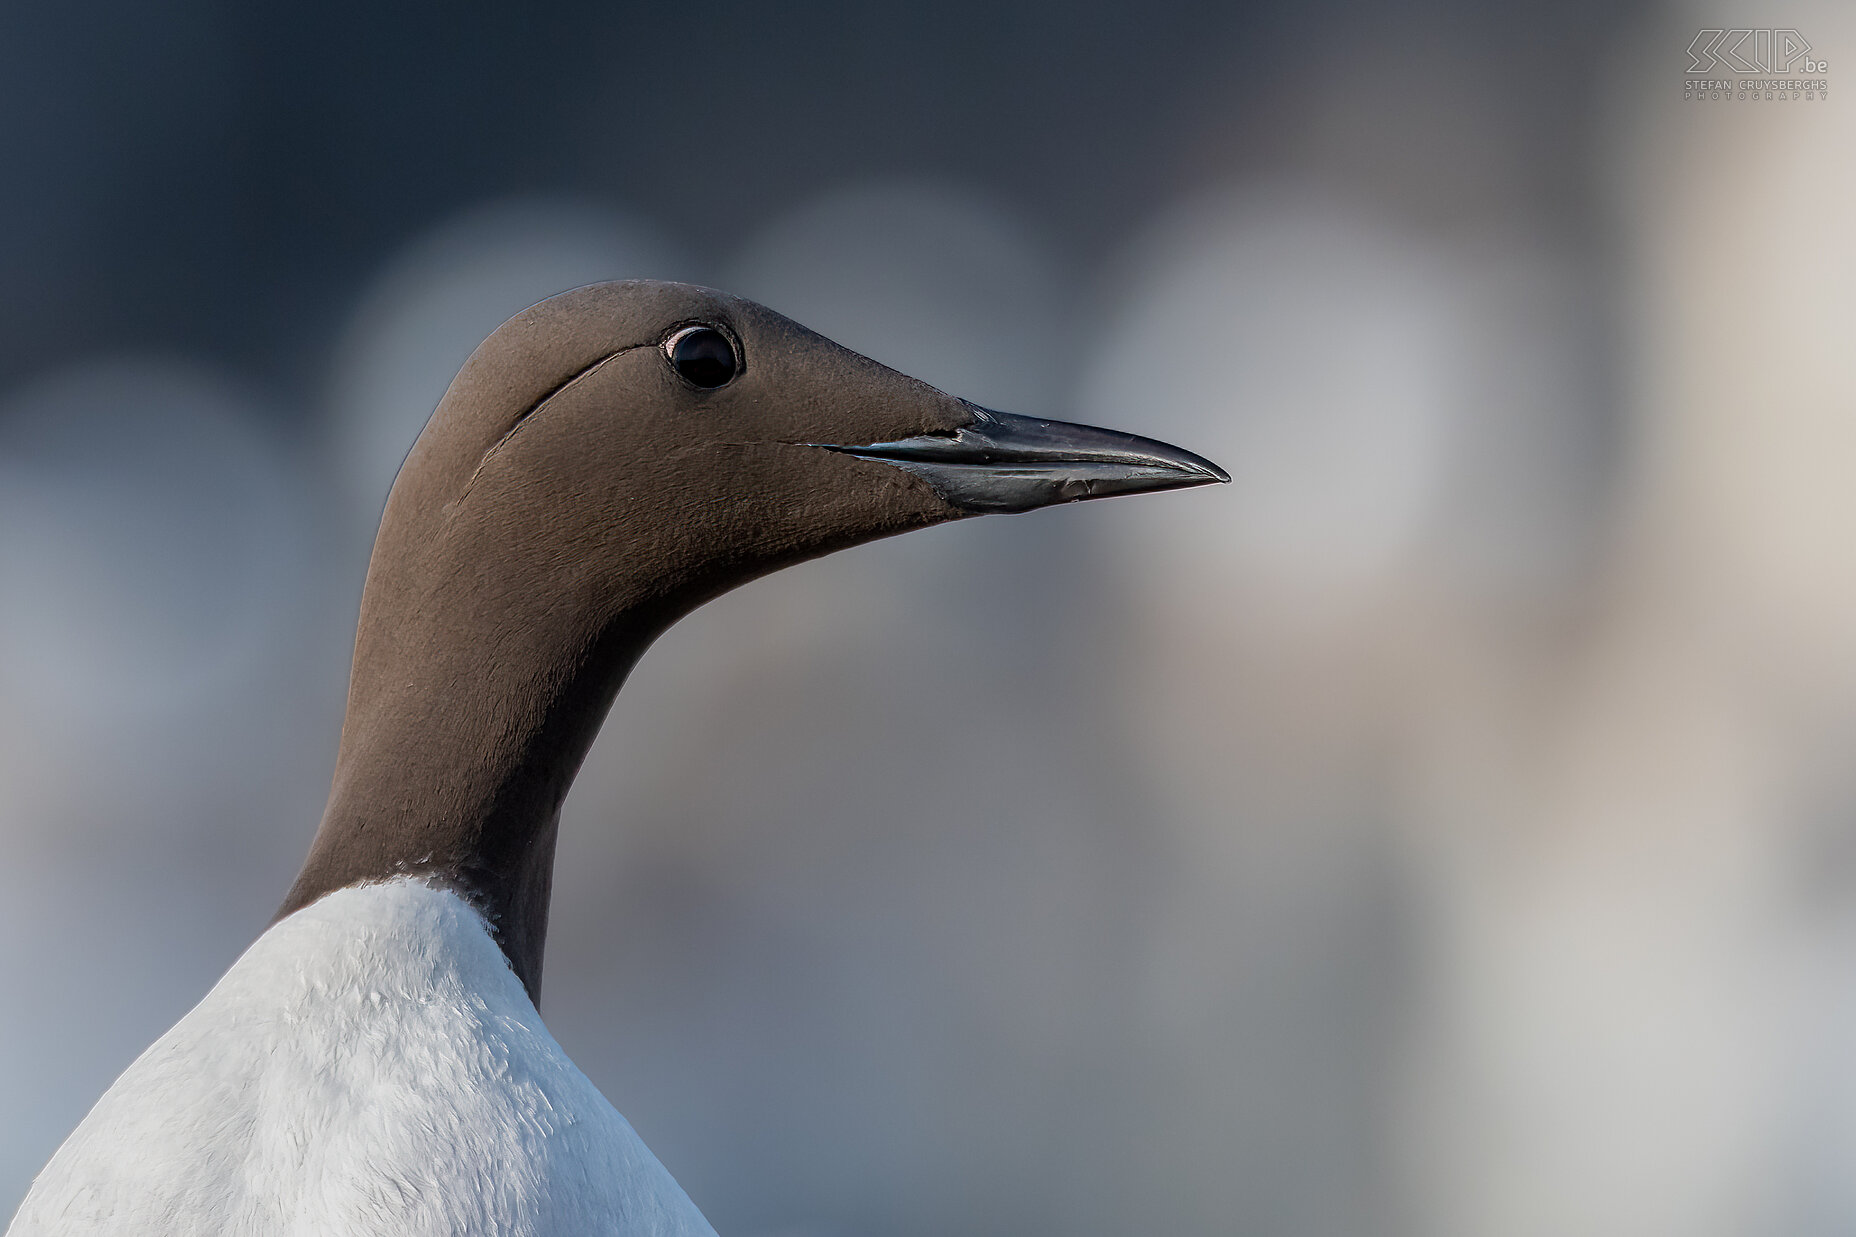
x,y
572,497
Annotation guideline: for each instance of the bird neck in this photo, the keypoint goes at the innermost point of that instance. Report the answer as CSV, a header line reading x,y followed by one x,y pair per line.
x,y
460,742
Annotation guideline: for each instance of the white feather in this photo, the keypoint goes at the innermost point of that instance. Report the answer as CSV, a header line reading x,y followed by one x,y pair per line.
x,y
369,1066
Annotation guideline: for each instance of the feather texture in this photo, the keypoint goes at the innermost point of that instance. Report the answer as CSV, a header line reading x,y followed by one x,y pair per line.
x,y
371,1065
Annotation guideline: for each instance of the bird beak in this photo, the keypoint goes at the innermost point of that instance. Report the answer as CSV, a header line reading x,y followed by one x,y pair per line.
x,y
1002,462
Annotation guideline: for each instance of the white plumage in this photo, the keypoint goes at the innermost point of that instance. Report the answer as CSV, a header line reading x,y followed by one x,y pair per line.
x,y
371,1064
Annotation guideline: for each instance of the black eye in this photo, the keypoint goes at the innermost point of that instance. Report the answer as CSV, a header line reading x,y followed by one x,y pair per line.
x,y
703,355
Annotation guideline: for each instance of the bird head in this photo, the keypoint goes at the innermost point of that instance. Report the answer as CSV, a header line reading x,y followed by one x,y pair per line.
x,y
645,443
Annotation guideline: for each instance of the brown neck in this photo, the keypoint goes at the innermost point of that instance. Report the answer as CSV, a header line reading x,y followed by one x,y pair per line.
x,y
460,743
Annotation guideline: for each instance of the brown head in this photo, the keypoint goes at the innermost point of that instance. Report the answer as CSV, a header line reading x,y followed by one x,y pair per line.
x,y
604,463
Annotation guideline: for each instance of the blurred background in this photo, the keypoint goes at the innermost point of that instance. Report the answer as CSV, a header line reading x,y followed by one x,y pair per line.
x,y
1447,829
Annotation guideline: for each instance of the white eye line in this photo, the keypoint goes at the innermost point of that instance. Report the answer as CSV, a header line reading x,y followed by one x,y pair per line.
x,y
670,341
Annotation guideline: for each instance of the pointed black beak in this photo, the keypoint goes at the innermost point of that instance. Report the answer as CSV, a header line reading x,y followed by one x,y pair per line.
x,y
1002,462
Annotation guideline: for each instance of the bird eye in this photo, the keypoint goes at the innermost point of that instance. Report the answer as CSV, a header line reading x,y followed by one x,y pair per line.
x,y
703,356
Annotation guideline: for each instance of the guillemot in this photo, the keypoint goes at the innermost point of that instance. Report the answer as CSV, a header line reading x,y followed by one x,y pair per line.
x,y
604,463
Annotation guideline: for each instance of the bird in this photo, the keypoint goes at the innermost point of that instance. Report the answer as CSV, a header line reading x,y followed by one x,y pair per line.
x,y
605,462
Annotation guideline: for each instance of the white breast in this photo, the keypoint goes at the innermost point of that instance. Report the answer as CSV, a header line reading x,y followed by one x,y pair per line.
x,y
370,1066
